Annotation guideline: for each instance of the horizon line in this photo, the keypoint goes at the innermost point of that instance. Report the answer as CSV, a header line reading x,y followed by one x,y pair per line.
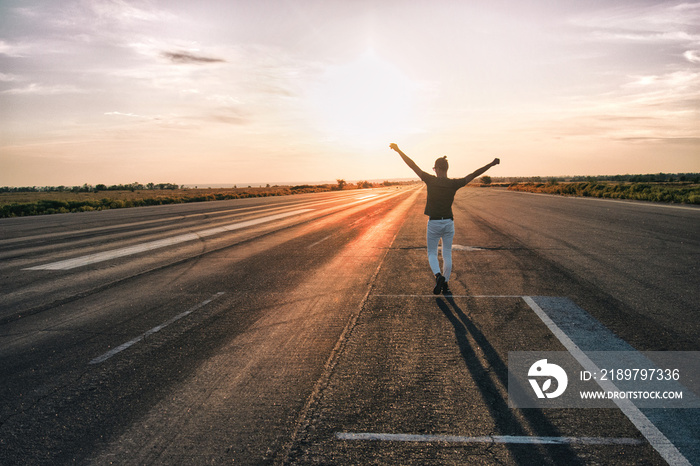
x,y
322,182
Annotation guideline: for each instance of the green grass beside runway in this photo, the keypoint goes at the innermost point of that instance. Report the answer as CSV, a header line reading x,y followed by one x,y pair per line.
x,y
680,193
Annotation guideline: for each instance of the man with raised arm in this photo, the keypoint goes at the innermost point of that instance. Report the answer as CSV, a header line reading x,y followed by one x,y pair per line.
x,y
438,208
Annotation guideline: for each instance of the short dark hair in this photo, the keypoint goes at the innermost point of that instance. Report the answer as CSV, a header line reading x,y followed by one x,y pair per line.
x,y
442,163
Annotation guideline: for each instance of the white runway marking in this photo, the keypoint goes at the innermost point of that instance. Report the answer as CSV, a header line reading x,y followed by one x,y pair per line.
x,y
319,242
587,330
445,296
155,329
533,440
578,331
151,245
460,247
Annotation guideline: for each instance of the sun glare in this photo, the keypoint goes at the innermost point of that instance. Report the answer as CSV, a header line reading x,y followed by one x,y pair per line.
x,y
364,101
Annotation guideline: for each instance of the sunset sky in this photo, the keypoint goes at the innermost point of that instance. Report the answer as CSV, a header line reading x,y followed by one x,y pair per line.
x,y
206,92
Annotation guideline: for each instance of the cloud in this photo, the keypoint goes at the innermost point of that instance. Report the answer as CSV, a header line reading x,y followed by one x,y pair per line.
x,y
40,89
122,114
126,13
229,118
670,81
659,107
658,17
224,115
121,10
655,23
663,87
13,50
670,140
693,56
668,36
6,78
190,58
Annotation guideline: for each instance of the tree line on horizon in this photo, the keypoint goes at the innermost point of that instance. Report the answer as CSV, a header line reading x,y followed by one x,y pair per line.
x,y
88,188
640,178
341,184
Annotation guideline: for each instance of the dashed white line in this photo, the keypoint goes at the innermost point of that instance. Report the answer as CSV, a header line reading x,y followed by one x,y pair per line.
x,y
319,241
155,329
531,440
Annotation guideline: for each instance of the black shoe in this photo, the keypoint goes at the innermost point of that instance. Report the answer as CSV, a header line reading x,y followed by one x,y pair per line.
x,y
439,283
446,289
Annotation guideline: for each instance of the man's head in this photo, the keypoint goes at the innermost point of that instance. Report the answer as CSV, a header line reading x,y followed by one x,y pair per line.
x,y
441,165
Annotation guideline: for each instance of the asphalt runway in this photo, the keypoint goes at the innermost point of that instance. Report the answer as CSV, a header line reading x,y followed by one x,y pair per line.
x,y
302,330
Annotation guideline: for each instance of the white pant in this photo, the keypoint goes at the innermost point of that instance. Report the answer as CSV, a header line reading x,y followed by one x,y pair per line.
x,y
438,229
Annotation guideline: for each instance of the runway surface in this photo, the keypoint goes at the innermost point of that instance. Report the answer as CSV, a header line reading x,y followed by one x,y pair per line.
x,y
302,329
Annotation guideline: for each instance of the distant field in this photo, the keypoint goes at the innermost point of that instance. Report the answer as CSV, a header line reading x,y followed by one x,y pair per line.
x,y
681,193
19,204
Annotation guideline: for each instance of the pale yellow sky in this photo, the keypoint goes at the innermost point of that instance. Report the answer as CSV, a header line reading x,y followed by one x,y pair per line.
x,y
116,91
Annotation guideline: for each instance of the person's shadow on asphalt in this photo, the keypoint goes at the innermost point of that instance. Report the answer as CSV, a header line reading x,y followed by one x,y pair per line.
x,y
490,374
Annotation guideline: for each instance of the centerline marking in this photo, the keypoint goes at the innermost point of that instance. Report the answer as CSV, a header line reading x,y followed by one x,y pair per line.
x,y
151,245
155,329
493,439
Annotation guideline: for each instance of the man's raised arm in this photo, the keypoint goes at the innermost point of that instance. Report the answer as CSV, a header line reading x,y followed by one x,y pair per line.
x,y
408,160
481,171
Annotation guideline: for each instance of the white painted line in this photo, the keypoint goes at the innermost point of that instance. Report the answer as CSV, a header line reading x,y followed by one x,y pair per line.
x,y
319,242
214,215
656,438
445,296
460,247
151,245
155,329
492,439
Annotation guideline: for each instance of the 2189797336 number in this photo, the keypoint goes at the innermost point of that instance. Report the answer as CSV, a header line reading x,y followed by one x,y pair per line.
x,y
633,374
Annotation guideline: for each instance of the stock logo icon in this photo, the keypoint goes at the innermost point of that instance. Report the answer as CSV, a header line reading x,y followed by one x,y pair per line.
x,y
543,371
